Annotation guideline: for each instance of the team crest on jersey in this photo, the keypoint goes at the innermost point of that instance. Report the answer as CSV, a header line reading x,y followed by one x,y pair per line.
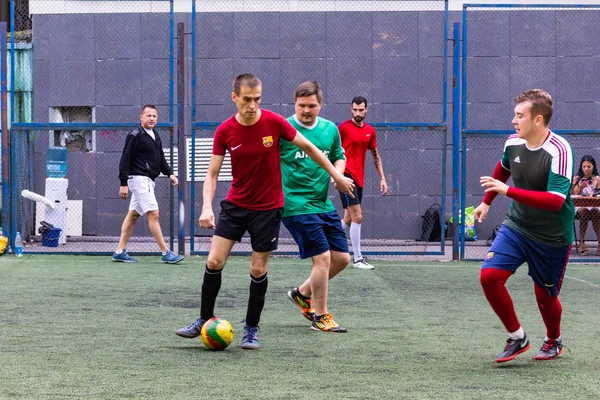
x,y
489,255
267,141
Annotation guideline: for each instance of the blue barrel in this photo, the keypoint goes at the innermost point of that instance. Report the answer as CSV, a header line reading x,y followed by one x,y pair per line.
x,y
56,162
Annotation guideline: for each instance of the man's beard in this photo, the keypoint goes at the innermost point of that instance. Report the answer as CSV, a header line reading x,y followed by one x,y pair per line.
x,y
359,119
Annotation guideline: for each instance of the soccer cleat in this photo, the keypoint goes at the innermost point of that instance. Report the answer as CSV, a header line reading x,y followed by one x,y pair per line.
x,y
191,331
550,350
123,257
171,258
250,338
326,323
363,264
305,303
513,348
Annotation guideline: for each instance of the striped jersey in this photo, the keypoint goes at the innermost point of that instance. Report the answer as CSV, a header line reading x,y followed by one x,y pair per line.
x,y
549,168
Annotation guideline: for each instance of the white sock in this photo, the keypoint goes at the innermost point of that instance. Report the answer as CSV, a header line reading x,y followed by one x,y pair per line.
x,y
345,227
165,252
518,334
118,251
355,240
554,340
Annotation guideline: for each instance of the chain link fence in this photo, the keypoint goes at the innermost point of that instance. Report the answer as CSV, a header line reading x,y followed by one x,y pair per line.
x,y
92,65
85,205
80,73
508,49
392,224
391,52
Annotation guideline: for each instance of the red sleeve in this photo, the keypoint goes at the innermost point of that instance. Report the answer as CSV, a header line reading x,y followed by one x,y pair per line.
x,y
288,132
500,173
532,198
373,141
219,142
342,130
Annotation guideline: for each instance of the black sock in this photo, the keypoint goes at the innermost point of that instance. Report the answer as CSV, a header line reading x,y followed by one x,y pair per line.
x,y
256,301
210,290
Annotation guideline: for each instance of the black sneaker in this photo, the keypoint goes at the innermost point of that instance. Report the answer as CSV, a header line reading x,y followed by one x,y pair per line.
x,y
513,348
191,331
550,350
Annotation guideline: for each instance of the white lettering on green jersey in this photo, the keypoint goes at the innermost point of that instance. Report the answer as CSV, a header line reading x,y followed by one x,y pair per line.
x,y
305,183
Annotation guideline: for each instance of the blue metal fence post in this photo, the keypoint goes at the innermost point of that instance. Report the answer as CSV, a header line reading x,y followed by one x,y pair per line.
x,y
181,167
445,132
171,118
12,141
463,186
13,60
455,138
5,135
193,155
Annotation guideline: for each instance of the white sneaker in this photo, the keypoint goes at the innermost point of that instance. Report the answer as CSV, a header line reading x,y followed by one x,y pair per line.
x,y
363,264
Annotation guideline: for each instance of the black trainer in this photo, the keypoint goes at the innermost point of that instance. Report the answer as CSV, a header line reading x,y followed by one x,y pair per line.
x,y
191,331
550,350
513,348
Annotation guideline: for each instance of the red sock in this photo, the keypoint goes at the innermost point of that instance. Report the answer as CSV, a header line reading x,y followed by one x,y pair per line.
x,y
551,310
493,282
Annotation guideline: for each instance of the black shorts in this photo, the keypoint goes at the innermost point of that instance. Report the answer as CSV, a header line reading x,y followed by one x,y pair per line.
x,y
263,226
357,192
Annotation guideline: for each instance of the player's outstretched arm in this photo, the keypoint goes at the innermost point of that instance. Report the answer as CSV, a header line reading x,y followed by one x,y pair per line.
x,y
481,212
383,187
207,218
345,185
532,198
340,166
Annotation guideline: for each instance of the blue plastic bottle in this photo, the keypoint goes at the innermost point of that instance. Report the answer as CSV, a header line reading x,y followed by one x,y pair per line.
x,y
18,245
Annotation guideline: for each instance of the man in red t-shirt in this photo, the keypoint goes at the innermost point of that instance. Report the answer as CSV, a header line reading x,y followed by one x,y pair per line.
x,y
255,200
358,137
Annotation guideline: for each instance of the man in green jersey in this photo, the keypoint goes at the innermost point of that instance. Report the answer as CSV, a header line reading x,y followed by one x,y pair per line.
x,y
308,213
538,228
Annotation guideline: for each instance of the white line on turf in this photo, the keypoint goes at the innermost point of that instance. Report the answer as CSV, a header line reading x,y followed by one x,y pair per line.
x,y
583,281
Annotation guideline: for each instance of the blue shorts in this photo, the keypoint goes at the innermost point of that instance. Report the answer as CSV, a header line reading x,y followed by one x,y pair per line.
x,y
547,264
317,233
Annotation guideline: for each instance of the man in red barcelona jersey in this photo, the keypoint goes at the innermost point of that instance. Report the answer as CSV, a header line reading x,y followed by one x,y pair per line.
x,y
538,228
254,202
358,137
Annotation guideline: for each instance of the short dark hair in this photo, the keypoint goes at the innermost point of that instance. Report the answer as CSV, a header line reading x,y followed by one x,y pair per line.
x,y
149,106
359,100
249,80
309,88
541,103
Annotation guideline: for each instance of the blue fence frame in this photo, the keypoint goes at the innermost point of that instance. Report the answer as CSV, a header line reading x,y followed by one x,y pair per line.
x,y
19,128
433,126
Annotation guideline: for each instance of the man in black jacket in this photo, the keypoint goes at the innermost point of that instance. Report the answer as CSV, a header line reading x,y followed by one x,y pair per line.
x,y
142,161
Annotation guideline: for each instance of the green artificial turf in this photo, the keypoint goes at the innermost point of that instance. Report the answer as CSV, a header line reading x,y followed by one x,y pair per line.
x,y
84,327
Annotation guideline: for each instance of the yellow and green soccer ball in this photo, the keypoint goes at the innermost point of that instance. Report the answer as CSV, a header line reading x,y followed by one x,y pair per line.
x,y
217,333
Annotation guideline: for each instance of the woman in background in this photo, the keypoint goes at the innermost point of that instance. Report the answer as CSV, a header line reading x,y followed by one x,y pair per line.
x,y
585,183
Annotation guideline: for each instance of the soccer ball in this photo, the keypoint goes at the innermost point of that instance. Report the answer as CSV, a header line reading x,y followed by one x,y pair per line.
x,y
217,333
